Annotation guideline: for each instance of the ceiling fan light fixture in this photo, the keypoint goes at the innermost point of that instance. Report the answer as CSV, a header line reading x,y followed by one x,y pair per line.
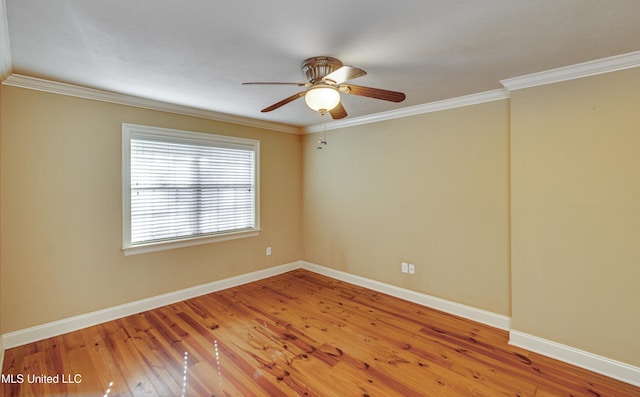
x,y
322,98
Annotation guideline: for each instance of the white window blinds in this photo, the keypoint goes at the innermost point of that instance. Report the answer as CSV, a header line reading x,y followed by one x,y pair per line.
x,y
185,185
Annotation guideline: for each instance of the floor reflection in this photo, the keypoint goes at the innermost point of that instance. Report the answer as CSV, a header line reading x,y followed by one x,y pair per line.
x,y
215,346
108,391
184,375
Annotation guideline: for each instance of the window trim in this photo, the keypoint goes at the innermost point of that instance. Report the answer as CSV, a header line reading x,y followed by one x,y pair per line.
x,y
182,136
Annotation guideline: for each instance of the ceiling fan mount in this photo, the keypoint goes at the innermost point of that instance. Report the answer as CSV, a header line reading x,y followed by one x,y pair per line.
x,y
316,68
327,78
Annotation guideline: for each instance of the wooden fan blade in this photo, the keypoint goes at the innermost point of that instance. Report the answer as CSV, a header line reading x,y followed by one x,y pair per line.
x,y
393,96
284,102
343,74
275,83
338,112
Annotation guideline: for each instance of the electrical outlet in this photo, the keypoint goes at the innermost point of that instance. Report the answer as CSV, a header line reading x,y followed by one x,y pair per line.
x,y
412,269
405,267
268,251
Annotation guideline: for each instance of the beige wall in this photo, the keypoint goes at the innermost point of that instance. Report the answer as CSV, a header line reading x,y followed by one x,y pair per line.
x,y
61,210
528,207
576,213
431,189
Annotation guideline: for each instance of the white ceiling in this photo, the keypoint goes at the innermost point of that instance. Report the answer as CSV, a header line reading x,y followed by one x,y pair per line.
x,y
197,53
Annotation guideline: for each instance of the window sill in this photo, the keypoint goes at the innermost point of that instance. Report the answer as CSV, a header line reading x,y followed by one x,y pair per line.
x,y
161,246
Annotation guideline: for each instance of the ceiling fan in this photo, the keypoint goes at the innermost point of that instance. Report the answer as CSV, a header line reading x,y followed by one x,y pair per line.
x,y
327,79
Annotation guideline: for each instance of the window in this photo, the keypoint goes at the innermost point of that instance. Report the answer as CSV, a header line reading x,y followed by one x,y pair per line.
x,y
184,188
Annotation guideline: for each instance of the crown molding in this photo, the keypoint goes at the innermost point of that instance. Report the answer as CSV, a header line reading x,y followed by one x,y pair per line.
x,y
5,46
565,73
33,83
585,69
466,100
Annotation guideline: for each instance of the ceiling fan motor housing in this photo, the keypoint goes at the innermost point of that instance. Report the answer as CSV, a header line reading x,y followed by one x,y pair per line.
x,y
317,67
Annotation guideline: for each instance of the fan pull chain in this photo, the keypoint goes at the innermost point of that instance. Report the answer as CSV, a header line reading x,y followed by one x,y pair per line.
x,y
322,140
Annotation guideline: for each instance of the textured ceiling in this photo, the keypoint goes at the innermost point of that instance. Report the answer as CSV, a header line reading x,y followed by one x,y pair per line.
x,y
197,53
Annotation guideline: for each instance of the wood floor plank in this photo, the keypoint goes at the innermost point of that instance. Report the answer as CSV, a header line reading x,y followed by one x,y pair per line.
x,y
129,363
297,334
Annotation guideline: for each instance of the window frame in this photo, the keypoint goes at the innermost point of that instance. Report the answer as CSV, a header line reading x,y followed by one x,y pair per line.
x,y
180,136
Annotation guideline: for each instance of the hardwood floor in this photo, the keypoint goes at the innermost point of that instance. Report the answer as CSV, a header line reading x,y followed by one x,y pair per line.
x,y
294,334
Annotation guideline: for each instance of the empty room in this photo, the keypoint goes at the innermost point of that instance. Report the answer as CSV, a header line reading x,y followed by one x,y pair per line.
x,y
347,198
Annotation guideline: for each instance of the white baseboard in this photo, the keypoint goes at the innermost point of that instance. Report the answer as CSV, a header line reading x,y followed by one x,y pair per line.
x,y
611,368
48,330
457,309
593,362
